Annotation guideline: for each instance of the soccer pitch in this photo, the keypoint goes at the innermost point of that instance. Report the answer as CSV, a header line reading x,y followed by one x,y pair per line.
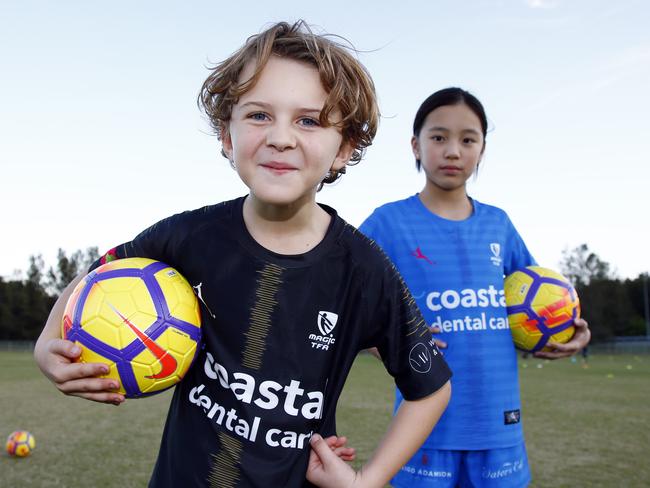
x,y
585,426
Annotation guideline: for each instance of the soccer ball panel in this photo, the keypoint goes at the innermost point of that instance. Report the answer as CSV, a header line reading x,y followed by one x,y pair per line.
x,y
554,303
180,298
516,287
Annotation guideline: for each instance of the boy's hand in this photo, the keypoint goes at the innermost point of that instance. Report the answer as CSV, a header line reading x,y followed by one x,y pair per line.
x,y
57,362
440,343
326,466
580,339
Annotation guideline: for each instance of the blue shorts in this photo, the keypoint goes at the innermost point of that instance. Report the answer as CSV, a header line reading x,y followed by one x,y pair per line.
x,y
503,468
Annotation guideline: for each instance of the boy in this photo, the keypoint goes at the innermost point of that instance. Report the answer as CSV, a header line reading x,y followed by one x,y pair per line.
x,y
291,292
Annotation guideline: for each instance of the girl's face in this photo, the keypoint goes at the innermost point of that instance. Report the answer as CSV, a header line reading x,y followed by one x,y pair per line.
x,y
278,146
449,146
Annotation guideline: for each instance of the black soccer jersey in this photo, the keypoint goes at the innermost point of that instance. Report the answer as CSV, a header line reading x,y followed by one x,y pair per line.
x,y
280,335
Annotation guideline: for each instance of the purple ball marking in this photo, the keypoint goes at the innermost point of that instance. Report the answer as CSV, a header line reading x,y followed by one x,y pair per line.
x,y
191,330
98,346
127,377
154,288
89,282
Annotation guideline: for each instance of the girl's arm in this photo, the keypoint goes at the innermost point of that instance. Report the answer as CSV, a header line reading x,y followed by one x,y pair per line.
x,y
56,359
406,433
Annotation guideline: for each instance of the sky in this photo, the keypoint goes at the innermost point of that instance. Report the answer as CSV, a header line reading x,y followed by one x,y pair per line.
x,y
100,135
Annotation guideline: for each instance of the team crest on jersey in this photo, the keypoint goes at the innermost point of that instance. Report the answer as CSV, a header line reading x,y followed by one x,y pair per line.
x,y
495,248
511,417
326,321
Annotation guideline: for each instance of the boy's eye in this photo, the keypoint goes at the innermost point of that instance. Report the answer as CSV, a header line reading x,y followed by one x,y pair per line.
x,y
309,122
259,116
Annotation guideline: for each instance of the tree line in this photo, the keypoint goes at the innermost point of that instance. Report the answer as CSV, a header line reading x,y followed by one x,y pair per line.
x,y
613,307
25,304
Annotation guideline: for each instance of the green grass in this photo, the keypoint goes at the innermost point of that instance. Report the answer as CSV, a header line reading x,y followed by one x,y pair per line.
x,y
584,426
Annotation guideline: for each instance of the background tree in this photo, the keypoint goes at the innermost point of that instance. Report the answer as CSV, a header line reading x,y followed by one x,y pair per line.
x,y
26,303
581,266
35,270
68,267
637,292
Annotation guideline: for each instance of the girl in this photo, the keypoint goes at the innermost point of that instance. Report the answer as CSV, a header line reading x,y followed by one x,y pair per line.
x,y
453,252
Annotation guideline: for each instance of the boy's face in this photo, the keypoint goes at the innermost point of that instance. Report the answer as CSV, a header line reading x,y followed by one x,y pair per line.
x,y
278,147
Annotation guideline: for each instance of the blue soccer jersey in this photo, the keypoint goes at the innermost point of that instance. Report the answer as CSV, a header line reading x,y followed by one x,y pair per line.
x,y
455,271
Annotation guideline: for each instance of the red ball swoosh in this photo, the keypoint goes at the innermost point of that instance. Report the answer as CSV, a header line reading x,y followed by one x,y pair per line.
x,y
167,361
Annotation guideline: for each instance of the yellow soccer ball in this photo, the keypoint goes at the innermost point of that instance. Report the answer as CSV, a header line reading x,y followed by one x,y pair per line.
x,y
20,443
139,316
542,305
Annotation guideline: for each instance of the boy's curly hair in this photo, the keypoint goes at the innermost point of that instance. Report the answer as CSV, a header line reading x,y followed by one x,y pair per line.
x,y
347,82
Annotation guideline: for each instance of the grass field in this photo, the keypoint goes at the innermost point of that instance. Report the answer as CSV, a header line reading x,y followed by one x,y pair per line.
x,y
585,427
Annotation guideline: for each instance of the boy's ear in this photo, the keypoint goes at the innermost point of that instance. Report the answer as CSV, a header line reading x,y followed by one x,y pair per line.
x,y
343,156
226,142
415,146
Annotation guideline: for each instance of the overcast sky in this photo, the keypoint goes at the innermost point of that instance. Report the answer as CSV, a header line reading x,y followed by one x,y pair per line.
x,y
100,135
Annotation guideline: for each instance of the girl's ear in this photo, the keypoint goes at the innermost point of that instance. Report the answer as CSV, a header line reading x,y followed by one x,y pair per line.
x,y
343,156
415,146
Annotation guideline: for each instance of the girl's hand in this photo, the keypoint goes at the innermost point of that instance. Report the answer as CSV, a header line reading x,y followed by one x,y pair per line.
x,y
580,339
57,361
440,343
326,467
338,446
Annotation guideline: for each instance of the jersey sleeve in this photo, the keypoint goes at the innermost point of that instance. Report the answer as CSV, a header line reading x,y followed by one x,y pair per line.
x,y
161,242
373,228
518,255
402,337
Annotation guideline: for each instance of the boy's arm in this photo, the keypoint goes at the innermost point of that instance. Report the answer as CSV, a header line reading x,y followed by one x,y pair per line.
x,y
406,433
56,359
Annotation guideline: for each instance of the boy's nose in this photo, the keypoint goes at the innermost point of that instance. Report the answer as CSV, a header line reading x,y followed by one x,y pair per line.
x,y
280,137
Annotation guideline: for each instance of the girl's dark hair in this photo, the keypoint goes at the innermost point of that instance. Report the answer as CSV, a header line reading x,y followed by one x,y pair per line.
x,y
448,96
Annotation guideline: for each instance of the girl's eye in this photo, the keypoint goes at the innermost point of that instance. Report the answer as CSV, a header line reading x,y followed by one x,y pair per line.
x,y
469,140
437,138
309,122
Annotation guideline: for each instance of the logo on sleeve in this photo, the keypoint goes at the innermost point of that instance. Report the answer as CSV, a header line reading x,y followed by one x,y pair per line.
x,y
326,322
420,358
495,248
